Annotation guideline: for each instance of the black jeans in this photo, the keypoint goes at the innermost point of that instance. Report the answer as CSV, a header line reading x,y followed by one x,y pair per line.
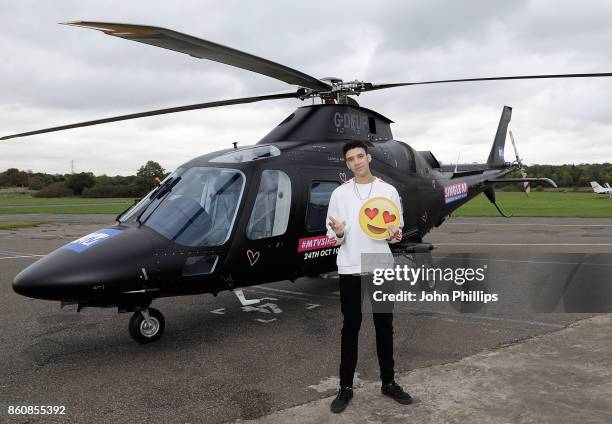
x,y
351,297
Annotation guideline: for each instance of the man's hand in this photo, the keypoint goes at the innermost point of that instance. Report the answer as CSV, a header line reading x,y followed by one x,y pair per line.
x,y
392,231
337,227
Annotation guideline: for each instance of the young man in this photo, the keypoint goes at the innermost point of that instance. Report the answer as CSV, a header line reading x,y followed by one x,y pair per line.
x,y
343,226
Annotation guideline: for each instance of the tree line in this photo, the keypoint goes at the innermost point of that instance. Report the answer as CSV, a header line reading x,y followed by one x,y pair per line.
x,y
85,184
570,176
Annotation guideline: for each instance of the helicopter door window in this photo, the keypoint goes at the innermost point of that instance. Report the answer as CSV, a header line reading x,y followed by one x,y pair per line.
x,y
409,165
320,193
270,214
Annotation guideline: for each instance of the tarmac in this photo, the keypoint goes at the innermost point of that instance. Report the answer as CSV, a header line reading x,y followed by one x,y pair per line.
x,y
559,377
277,362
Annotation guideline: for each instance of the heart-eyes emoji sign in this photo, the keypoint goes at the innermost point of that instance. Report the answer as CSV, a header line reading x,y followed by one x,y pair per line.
x,y
377,215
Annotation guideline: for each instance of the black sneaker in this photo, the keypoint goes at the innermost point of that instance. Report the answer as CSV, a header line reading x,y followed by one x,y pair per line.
x,y
345,393
395,391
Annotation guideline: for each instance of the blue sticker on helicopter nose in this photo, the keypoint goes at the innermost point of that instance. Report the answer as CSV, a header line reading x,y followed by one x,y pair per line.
x,y
92,239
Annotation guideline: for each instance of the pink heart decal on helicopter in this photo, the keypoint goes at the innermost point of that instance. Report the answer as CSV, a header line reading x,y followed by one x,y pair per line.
x,y
253,256
342,177
424,217
371,213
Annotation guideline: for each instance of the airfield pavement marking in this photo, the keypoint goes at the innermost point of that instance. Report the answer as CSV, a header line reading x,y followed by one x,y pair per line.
x,y
528,224
303,297
464,316
488,318
298,293
10,252
41,236
23,256
523,244
526,261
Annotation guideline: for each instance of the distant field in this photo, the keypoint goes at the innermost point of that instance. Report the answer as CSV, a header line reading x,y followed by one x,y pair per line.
x,y
25,203
586,205
581,205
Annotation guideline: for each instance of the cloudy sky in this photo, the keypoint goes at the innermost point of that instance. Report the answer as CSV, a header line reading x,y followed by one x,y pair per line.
x,y
53,74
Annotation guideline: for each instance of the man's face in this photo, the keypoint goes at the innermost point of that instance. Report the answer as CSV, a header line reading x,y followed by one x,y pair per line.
x,y
358,161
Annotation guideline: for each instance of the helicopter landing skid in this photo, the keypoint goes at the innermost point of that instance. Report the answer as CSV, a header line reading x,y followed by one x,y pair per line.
x,y
243,300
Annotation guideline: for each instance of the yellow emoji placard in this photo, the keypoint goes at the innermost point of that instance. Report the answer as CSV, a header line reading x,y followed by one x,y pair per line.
x,y
377,215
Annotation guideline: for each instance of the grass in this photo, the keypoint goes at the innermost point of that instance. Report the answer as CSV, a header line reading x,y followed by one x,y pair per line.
x,y
26,204
11,225
571,204
82,210
579,205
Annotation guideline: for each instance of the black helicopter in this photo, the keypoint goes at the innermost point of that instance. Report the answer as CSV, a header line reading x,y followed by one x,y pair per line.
x,y
245,216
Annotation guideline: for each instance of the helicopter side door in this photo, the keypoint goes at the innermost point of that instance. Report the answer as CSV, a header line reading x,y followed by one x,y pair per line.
x,y
266,255
400,171
315,253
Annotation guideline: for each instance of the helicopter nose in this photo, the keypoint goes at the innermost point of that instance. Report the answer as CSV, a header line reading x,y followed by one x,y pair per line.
x,y
41,281
90,267
25,285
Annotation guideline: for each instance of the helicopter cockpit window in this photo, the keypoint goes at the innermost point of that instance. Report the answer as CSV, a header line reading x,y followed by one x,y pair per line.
x,y
200,210
143,204
320,193
248,154
409,157
270,214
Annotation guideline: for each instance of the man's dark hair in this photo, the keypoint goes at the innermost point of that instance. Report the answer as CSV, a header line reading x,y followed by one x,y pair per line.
x,y
352,145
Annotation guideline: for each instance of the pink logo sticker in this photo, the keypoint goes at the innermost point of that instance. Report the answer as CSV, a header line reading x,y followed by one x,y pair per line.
x,y
455,192
313,243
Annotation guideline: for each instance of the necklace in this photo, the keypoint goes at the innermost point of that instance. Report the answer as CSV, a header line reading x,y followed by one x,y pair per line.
x,y
357,190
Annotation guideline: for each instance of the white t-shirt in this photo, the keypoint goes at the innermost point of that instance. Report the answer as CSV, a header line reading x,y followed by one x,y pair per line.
x,y
344,205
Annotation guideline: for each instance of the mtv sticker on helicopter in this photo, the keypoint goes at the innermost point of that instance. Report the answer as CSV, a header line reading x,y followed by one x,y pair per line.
x,y
92,239
316,242
455,192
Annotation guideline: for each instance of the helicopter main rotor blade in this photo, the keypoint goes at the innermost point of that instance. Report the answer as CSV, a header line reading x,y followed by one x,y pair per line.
x,y
290,95
371,87
203,49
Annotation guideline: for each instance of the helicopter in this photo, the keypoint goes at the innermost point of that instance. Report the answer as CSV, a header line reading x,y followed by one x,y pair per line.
x,y
244,216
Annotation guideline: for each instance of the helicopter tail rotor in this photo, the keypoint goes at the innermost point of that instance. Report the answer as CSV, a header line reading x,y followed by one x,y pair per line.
x,y
519,161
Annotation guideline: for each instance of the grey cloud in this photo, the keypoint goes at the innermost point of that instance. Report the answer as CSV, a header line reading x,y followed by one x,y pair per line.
x,y
54,74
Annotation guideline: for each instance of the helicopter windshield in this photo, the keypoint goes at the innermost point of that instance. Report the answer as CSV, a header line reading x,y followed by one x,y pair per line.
x,y
200,209
140,207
